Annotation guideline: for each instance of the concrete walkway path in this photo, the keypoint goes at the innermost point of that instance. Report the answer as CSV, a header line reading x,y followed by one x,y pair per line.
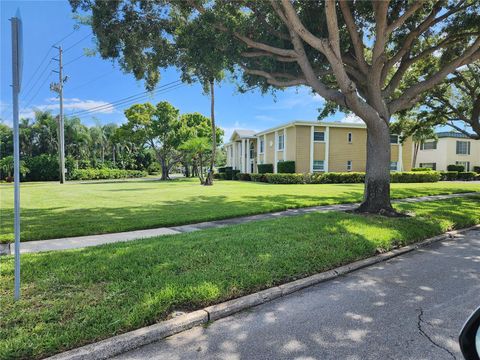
x,y
409,308
94,240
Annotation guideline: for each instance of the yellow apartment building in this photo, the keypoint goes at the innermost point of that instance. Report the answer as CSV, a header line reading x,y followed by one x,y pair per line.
x,y
314,146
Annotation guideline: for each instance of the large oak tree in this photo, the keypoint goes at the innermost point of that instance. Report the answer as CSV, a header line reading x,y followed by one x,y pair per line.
x,y
368,57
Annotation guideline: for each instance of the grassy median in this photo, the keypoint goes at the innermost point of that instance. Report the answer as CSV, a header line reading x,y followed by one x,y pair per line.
x,y
72,298
50,210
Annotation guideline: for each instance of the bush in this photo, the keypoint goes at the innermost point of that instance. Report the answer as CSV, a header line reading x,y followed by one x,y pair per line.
x,y
286,178
415,177
340,178
217,176
101,174
448,175
42,168
258,177
467,176
222,170
244,177
459,168
265,168
235,174
476,169
286,167
421,169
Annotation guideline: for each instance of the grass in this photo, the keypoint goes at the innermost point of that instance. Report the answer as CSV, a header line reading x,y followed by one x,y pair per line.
x,y
50,210
75,297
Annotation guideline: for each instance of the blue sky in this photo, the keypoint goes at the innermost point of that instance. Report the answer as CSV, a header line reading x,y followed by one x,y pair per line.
x,y
95,82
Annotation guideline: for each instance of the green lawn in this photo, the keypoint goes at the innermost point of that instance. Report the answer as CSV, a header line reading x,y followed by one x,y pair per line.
x,y
74,297
50,210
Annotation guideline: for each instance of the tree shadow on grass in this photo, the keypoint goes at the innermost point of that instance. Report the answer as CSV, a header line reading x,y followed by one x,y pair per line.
x,y
128,285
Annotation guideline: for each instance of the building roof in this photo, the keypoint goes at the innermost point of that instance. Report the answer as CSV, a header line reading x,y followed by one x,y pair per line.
x,y
451,134
315,123
243,134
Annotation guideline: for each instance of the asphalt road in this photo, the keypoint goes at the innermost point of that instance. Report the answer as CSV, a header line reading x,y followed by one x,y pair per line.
x,y
411,307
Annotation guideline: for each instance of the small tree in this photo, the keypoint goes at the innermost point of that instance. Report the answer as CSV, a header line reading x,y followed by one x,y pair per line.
x,y
198,148
6,166
158,127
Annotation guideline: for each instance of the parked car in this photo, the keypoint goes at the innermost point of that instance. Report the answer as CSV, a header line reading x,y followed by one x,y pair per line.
x,y
470,337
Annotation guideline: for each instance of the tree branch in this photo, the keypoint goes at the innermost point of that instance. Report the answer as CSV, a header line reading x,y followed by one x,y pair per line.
x,y
273,78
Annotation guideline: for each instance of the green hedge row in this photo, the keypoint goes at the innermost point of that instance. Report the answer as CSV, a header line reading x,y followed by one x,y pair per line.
x,y
101,174
458,168
455,175
343,177
286,167
265,168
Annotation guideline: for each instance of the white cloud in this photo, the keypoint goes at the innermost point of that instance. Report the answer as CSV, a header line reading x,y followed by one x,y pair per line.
x,y
301,96
70,105
351,118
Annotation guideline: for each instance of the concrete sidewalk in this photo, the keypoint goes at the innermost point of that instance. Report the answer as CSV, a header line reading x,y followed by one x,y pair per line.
x,y
94,240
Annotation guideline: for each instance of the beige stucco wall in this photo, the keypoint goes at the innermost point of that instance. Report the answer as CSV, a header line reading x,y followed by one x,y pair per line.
x,y
341,150
269,148
407,154
291,143
446,154
303,138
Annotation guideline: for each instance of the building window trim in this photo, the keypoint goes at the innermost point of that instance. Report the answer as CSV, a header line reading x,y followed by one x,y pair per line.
x,y
318,165
434,145
280,142
393,168
459,147
349,165
262,146
322,136
349,137
432,166
394,136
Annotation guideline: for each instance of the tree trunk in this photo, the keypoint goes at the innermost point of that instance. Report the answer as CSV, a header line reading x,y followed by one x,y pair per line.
x,y
416,146
209,180
164,170
377,178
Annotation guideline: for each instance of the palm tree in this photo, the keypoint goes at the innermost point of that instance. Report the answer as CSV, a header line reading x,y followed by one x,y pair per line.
x,y
198,147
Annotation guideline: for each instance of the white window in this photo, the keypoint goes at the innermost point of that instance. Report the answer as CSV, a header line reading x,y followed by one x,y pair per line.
x,y
463,147
349,137
393,166
318,136
262,145
318,165
432,166
281,142
465,164
393,139
349,165
252,150
429,145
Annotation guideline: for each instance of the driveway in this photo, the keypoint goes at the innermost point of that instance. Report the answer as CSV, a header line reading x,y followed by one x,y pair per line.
x,y
411,307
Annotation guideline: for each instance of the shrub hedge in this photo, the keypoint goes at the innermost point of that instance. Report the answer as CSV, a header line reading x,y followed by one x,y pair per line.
x,y
286,167
244,177
97,174
343,177
415,177
265,168
459,168
467,176
449,175
421,169
258,177
476,169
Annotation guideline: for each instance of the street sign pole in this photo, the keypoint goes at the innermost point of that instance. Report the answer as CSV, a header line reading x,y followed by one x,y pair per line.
x,y
16,74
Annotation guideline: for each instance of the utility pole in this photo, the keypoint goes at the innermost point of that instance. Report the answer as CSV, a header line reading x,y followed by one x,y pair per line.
x,y
58,88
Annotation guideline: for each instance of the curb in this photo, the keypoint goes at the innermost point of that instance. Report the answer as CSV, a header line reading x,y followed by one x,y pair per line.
x,y
119,344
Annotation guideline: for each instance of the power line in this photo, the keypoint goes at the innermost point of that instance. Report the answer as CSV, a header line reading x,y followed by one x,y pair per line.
x,y
71,61
127,102
65,37
38,68
78,42
40,87
128,97
38,79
